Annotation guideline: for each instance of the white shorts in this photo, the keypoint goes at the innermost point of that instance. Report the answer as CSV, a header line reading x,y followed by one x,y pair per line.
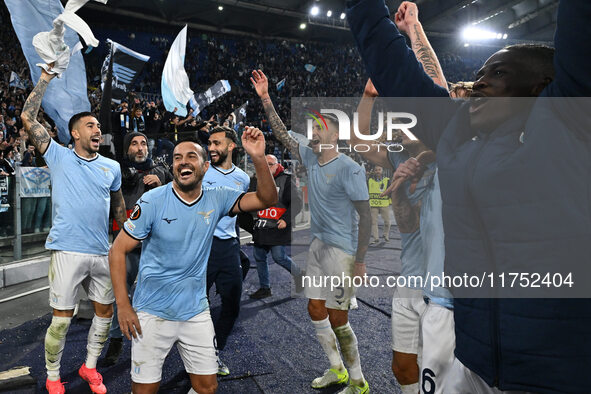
x,y
194,338
327,264
407,308
69,270
439,342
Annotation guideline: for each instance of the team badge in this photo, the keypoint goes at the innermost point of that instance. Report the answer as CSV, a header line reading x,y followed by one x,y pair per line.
x,y
206,215
137,211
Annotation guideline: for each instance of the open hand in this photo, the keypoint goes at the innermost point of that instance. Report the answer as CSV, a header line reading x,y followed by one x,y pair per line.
x,y
128,322
260,82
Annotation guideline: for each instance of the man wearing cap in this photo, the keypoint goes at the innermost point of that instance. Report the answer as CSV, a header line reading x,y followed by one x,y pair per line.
x,y
138,175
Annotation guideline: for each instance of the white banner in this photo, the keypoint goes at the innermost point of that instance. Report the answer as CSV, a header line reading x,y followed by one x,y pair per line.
x,y
34,181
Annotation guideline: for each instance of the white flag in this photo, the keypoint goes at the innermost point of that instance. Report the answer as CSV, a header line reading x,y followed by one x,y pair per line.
x,y
175,82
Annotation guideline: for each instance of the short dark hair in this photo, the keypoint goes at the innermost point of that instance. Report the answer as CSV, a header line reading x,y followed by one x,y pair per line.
x,y
332,119
74,119
195,141
541,57
230,133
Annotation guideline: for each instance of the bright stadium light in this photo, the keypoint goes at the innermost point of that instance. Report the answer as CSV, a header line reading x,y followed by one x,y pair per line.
x,y
221,8
329,13
302,26
343,15
505,36
314,10
476,34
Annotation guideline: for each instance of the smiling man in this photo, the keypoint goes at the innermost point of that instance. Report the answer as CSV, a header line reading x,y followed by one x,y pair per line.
x,y
83,183
224,267
176,224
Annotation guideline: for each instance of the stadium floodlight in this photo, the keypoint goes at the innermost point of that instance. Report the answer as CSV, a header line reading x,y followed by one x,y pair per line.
x,y
343,15
314,10
220,7
476,34
329,13
466,45
505,36
302,26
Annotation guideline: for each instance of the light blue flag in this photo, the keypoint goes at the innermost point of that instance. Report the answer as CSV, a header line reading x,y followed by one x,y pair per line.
x,y
65,96
176,92
310,68
280,84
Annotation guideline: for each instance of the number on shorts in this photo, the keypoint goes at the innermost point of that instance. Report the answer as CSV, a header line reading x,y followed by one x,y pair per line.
x,y
428,376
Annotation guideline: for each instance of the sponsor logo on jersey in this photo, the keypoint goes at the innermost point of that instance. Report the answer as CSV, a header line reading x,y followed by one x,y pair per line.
x,y
169,220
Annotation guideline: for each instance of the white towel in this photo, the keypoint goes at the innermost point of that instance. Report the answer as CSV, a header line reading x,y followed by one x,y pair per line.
x,y
50,45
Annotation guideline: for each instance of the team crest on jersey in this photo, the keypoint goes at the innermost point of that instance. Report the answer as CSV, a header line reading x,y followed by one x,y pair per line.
x,y
206,215
238,183
105,170
329,177
137,211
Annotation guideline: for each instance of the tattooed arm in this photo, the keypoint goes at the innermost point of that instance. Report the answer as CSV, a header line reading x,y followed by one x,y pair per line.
x,y
407,216
363,235
118,208
261,85
407,21
378,153
38,135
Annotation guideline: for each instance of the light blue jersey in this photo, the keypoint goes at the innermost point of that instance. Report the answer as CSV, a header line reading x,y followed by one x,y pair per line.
x,y
81,195
177,238
333,186
233,178
432,234
414,260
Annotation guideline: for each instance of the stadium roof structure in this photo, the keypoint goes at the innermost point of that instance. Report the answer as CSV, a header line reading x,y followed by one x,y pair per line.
x,y
521,20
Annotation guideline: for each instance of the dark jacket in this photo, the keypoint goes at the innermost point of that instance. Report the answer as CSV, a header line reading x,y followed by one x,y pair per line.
x,y
265,231
132,184
517,199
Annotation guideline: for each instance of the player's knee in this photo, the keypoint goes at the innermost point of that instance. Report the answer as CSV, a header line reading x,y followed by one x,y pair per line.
x,y
337,318
103,310
317,310
206,387
138,388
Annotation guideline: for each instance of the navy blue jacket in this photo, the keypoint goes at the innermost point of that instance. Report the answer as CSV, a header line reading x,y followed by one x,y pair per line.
x,y
514,199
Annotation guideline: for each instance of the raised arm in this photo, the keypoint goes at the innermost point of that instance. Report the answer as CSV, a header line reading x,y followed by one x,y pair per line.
x,y
261,85
38,135
377,154
407,21
392,65
265,196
